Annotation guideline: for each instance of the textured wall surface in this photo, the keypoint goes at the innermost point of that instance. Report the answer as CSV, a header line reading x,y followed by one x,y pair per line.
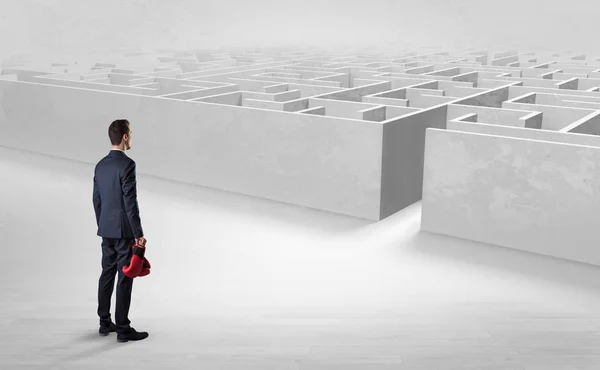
x,y
536,196
320,162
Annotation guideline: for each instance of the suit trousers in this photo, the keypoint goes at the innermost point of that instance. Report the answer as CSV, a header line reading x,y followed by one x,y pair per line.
x,y
116,253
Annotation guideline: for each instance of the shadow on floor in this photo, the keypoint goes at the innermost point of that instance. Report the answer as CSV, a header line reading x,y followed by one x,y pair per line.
x,y
547,268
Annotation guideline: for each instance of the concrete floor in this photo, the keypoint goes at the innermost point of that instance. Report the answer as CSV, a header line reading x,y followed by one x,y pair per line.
x,y
244,283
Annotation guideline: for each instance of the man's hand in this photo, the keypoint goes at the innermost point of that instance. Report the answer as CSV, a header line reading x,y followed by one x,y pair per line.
x,y
140,241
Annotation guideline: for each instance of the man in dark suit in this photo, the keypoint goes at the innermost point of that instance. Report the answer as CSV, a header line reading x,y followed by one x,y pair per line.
x,y
119,225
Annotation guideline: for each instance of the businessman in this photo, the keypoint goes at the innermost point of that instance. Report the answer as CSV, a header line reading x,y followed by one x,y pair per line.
x,y
119,225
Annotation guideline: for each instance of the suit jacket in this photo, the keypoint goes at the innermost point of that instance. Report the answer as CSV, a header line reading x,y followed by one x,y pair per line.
x,y
115,197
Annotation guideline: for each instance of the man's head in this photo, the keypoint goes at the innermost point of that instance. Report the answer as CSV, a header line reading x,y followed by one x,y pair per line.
x,y
120,134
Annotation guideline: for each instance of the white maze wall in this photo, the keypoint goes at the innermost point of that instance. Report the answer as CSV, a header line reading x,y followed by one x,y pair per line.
x,y
501,146
522,171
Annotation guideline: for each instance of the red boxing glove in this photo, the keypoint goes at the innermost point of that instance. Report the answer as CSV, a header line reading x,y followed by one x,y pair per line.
x,y
139,266
145,268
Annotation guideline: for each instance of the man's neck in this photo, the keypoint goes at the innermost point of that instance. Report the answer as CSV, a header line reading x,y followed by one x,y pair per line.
x,y
118,148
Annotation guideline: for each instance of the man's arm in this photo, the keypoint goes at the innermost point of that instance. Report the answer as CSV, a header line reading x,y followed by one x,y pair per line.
x,y
129,188
96,200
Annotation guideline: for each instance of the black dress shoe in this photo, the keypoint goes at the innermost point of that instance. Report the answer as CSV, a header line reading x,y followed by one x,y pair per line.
x,y
105,330
131,334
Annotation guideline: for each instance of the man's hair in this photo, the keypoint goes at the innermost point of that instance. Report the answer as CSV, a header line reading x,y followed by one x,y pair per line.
x,y
117,129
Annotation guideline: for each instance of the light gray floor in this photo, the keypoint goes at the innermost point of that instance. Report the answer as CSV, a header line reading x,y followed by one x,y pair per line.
x,y
244,283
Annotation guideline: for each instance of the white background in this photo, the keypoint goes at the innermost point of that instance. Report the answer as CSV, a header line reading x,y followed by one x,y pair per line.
x,y
79,26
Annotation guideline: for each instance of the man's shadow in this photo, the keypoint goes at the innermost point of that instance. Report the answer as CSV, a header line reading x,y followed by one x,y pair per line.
x,y
102,345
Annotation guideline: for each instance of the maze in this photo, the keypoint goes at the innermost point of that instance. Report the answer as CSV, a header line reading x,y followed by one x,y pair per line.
x,y
500,146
